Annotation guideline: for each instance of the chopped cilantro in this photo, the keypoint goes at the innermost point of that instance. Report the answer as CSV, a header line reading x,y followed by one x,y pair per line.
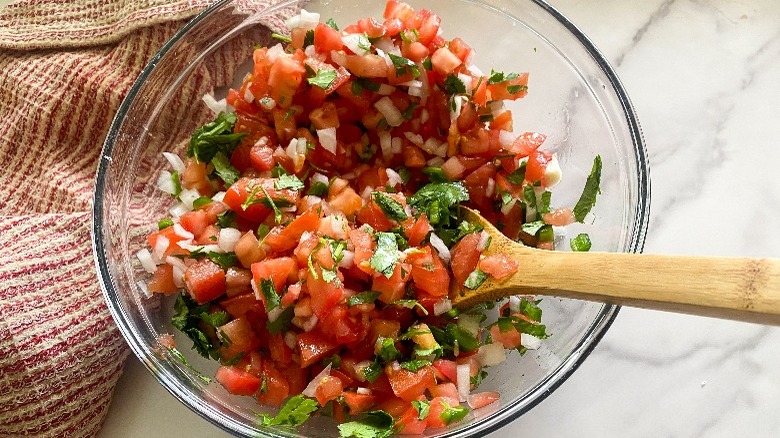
x,y
544,202
295,412
518,175
514,89
368,84
290,112
408,113
283,322
436,175
164,223
497,76
580,243
410,304
422,408
427,64
284,38
533,227
386,255
374,424
330,275
278,171
405,175
318,188
334,361
404,66
372,371
476,380
224,260
453,85
364,43
391,208
436,199
367,297
475,279
187,318
323,79
588,198
227,219
415,365
288,182
236,359
224,169
309,38
176,183
200,202
387,350
452,333
177,354
272,299
452,414
215,136
262,231
332,23
531,309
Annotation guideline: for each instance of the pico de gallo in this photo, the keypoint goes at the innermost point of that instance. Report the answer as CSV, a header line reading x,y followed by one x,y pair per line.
x,y
316,234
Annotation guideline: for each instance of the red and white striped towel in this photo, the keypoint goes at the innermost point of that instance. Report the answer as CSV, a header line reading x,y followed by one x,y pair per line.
x,y
65,66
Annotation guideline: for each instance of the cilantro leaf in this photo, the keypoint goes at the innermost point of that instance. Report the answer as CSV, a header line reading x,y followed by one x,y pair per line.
x,y
514,89
452,414
588,198
272,299
415,365
367,297
224,260
403,65
187,318
283,322
391,208
475,279
224,169
294,413
422,408
436,199
386,255
176,183
318,188
364,43
436,175
410,304
498,76
309,38
330,275
177,354
580,243
280,37
200,202
164,223
543,205
323,79
453,85
332,23
374,424
227,219
452,333
288,182
215,136
532,227
372,371
530,309
387,350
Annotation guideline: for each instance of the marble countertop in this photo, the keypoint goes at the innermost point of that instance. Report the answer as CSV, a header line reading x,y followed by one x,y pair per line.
x,y
705,79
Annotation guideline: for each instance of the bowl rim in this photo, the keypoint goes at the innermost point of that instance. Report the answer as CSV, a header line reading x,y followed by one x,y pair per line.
x,y
490,423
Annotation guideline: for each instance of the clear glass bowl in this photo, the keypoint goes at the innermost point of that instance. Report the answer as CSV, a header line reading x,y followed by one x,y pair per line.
x,y
575,98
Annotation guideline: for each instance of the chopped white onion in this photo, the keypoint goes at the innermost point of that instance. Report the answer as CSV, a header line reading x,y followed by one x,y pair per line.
x,y
530,342
441,248
415,88
386,106
552,173
248,96
176,262
366,192
474,70
178,209
506,208
506,138
274,52
183,233
414,138
144,288
305,20
347,260
386,45
296,150
463,381
425,86
274,314
470,323
385,89
431,145
458,101
198,248
228,237
356,42
160,246
178,276
188,196
218,197
290,339
310,51
216,106
339,57
496,108
327,139
320,178
165,182
146,261
483,240
514,303
311,388
442,307
176,162
310,323
492,354
424,115
363,391
466,79
491,187
393,178
386,144
267,103
435,162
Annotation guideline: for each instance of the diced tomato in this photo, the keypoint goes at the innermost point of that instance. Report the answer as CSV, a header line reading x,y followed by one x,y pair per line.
x,y
410,424
162,281
278,270
196,177
285,238
364,249
284,78
526,143
276,387
373,215
481,399
498,265
444,390
330,388
358,403
313,347
324,295
194,221
438,406
393,405
426,23
446,368
237,338
256,209
537,164
297,378
261,157
409,385
280,352
418,230
326,38
560,217
343,327
509,338
237,381
460,49
464,257
205,281
511,89
248,250
392,288
397,9
445,62
428,272
238,305
367,66
166,240
347,201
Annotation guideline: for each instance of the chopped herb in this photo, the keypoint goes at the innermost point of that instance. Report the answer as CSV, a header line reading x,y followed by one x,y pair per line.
x,y
284,38
518,175
372,371
187,318
386,255
533,227
337,248
544,202
436,175
364,43
404,66
290,112
295,412
200,202
330,276
224,260
368,84
405,175
288,182
452,333
533,328
408,113
545,234
278,171
422,408
580,243
453,85
367,297
332,23
412,332
476,380
484,118
415,365
387,350
177,354
237,358
262,231
506,198
497,76
531,309
334,361
588,198
272,299
224,169
176,184
283,322
452,414
164,223
436,199
318,188
529,196
392,208
277,212
374,424
427,354
323,79
427,64
514,89
357,89
215,136
475,279
410,39
227,219
309,38
410,304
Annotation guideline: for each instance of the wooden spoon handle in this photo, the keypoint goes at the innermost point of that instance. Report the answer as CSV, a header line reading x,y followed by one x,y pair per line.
x,y
735,288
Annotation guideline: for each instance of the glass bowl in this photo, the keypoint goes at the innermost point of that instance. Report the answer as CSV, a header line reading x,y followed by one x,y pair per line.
x,y
574,97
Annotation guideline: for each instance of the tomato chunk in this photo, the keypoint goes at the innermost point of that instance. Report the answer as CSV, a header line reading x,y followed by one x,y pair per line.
x,y
205,281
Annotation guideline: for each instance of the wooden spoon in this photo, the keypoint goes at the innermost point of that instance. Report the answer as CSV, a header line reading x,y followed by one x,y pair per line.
x,y
746,289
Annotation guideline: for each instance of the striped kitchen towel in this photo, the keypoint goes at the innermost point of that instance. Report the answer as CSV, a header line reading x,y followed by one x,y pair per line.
x,y
65,67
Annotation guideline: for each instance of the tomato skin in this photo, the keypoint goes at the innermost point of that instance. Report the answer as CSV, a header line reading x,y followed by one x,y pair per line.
x,y
283,80
526,143
509,339
429,273
408,385
482,399
464,257
537,164
237,338
277,387
324,295
278,270
313,347
438,406
285,238
446,368
329,389
410,424
358,403
397,9
445,390
392,288
237,381
195,222
205,281
162,281
499,266
238,305
326,38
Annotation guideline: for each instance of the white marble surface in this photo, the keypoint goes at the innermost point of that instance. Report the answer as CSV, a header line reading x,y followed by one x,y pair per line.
x,y
705,79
